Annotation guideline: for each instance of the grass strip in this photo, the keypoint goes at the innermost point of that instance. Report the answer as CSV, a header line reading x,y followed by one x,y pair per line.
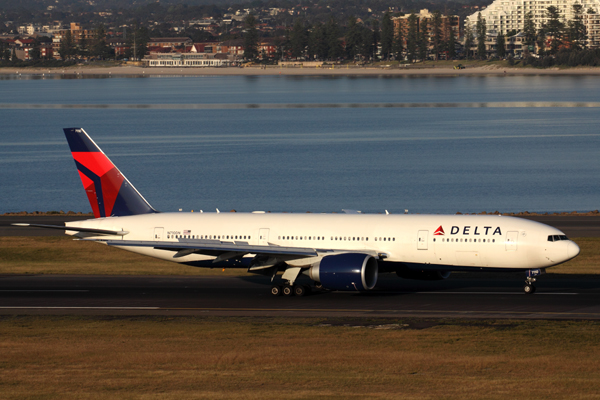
x,y
264,358
63,255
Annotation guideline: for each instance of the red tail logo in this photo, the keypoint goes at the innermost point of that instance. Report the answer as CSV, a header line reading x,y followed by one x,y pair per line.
x,y
109,192
439,231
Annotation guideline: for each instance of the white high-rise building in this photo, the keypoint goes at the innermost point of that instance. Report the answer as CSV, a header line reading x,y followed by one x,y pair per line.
x,y
503,16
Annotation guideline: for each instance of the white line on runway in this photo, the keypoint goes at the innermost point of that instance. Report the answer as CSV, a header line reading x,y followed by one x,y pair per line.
x,y
44,290
77,308
503,293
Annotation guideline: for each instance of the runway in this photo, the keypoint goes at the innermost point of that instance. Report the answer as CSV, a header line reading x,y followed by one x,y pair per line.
x,y
498,297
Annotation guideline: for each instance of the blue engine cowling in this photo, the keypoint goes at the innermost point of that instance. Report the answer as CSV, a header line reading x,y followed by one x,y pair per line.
x,y
348,271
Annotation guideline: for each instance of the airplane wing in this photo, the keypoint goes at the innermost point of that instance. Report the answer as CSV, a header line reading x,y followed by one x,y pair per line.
x,y
226,250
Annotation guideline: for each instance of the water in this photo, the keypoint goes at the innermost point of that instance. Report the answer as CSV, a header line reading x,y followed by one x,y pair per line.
x,y
426,160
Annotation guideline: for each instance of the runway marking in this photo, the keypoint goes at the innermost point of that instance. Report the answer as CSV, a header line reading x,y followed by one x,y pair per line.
x,y
44,290
503,293
77,308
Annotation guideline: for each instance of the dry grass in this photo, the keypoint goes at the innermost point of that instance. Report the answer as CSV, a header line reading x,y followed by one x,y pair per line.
x,y
586,263
166,358
63,255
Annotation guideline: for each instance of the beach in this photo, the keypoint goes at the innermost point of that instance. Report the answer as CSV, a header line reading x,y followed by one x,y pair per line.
x,y
446,70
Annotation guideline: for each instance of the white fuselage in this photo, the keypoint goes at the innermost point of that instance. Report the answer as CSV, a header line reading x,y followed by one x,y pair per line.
x,y
470,241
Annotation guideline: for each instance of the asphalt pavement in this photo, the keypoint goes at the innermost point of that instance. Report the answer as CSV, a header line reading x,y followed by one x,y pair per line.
x,y
498,296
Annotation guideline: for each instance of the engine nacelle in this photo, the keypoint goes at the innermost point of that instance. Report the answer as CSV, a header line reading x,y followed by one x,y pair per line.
x,y
423,275
348,271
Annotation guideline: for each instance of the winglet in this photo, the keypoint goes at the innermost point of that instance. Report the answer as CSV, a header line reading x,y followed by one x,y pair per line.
x,y
108,190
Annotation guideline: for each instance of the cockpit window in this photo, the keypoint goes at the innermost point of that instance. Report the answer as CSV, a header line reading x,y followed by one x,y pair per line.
x,y
557,238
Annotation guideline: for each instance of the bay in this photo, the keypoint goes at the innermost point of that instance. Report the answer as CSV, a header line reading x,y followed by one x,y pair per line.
x,y
426,160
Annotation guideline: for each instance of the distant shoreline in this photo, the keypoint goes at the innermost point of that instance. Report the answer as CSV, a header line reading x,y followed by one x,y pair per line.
x,y
133,71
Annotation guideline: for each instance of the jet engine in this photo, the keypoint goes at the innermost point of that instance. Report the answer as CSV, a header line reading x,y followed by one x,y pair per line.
x,y
348,271
422,275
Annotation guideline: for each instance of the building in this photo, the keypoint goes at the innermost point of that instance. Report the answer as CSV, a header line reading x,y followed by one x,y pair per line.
x,y
119,45
197,60
235,47
267,48
449,23
169,43
504,16
78,36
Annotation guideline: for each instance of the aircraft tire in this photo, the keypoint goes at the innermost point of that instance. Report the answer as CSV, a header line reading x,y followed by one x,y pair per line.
x,y
299,290
529,289
287,290
276,290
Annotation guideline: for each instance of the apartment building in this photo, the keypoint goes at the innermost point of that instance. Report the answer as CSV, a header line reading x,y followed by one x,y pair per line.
x,y
78,36
449,23
503,16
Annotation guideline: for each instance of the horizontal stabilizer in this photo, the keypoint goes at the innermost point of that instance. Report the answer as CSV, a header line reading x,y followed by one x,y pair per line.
x,y
76,229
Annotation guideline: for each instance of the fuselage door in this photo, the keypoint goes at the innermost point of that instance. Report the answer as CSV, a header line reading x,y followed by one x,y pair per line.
x,y
511,240
422,240
158,233
263,236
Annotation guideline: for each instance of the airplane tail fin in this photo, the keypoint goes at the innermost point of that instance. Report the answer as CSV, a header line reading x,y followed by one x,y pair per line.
x,y
108,190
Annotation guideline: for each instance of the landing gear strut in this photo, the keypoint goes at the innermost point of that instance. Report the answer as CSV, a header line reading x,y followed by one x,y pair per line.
x,y
531,274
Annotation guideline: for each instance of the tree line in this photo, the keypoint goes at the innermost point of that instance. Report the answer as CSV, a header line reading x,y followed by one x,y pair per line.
x,y
357,41
98,48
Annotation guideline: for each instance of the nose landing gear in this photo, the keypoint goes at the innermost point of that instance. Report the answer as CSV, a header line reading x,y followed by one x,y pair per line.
x,y
531,274
529,288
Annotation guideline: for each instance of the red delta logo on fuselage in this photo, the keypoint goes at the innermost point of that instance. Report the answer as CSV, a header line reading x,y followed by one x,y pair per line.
x,y
470,230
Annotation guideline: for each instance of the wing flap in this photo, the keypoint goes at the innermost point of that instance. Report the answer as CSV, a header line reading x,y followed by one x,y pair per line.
x,y
215,248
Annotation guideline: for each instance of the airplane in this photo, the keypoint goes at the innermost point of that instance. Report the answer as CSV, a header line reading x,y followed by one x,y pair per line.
x,y
339,251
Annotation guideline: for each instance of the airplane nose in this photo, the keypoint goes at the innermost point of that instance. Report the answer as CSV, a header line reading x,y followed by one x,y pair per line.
x,y
572,250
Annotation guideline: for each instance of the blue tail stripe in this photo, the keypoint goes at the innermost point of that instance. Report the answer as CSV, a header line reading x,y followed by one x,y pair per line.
x,y
78,142
97,185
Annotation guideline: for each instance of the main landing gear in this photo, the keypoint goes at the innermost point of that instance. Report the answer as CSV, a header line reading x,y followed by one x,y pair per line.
x,y
290,290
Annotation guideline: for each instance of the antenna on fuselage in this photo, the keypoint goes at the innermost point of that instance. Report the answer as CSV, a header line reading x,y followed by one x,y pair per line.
x,y
387,212
218,212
